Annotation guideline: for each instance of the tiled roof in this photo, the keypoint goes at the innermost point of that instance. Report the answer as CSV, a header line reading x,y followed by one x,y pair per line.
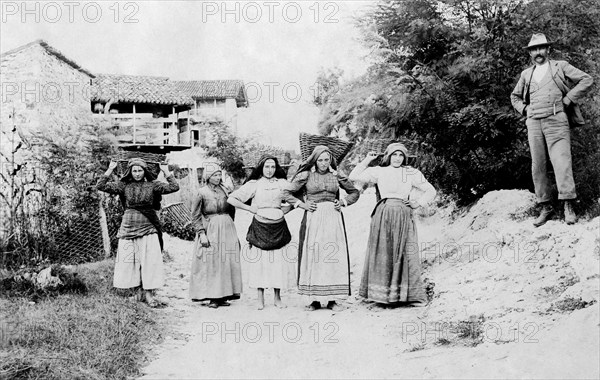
x,y
138,89
215,89
147,89
51,51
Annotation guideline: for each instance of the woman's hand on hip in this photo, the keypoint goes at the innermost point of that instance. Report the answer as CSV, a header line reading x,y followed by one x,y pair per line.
x,y
337,205
309,206
411,204
203,239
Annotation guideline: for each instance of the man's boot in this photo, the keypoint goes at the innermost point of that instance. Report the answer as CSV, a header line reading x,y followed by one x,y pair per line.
x,y
545,214
570,217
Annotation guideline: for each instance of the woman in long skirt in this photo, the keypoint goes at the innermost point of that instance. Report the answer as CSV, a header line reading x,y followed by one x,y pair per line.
x,y
139,254
323,259
216,271
392,271
270,258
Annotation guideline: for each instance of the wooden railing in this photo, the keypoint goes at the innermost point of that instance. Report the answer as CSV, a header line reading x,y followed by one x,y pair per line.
x,y
142,128
210,112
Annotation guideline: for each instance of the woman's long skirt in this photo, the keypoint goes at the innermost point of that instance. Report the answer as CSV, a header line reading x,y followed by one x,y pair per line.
x,y
216,270
324,267
139,262
392,271
271,268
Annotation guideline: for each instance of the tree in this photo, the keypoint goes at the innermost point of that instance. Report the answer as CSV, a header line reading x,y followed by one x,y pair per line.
x,y
227,148
328,82
444,70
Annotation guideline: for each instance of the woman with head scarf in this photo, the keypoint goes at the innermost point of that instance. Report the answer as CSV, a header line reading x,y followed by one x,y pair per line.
x,y
392,271
216,272
323,259
270,262
139,254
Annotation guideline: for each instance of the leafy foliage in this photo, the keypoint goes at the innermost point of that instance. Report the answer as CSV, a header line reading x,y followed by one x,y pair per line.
x,y
227,148
56,217
443,71
328,81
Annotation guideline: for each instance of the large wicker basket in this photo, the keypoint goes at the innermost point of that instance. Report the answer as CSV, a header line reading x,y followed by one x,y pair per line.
x,y
179,215
252,158
153,160
339,148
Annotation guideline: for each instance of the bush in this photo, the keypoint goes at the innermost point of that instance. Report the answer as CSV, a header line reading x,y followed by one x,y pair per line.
x,y
53,211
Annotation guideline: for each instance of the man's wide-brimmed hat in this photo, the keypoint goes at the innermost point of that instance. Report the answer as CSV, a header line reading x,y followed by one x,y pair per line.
x,y
538,39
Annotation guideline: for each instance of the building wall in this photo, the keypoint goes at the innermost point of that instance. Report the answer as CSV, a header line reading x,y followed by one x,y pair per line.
x,y
226,109
43,91
39,93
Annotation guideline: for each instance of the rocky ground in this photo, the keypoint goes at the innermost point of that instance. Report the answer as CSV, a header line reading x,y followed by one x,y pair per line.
x,y
509,301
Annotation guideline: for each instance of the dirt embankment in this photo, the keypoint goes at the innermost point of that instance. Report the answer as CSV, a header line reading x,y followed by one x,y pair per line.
x,y
509,301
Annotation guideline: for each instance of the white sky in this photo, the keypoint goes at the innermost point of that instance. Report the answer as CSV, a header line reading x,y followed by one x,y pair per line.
x,y
190,40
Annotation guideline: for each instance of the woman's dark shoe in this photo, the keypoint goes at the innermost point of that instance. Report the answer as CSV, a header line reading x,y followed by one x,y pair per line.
x,y
315,305
334,306
224,303
213,304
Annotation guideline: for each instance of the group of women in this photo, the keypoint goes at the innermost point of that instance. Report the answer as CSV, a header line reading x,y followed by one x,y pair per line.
x,y
319,265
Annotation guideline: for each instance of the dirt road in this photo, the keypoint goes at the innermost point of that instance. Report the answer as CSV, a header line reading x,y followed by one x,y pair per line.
x,y
515,336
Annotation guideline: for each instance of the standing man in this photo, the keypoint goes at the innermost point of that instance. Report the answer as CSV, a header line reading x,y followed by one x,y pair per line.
x,y
548,94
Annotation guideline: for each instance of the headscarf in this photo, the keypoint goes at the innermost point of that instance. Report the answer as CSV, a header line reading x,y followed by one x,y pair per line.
x,y
128,177
311,161
258,170
210,169
394,147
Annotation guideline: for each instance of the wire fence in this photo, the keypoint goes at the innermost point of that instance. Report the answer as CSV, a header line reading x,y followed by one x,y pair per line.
x,y
51,225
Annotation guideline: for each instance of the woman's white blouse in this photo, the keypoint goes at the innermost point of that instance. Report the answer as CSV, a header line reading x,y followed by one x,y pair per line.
x,y
266,195
404,182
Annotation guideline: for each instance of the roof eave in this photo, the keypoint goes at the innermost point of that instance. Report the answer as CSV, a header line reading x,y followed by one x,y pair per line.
x,y
52,51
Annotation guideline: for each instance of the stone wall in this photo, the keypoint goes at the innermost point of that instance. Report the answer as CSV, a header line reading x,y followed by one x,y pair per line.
x,y
43,91
39,93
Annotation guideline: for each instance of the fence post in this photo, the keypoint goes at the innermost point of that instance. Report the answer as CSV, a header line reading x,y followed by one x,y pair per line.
x,y
104,227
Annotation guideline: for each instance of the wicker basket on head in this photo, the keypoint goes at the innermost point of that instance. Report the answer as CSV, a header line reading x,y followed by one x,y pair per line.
x,y
251,159
153,160
339,148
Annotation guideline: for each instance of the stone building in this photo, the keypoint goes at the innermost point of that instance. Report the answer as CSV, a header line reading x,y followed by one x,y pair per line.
x,y
43,92
41,89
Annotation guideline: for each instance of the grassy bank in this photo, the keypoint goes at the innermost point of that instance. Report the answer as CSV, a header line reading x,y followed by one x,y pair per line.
x,y
101,335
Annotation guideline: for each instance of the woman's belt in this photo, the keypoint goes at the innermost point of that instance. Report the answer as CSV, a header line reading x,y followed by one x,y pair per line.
x,y
397,201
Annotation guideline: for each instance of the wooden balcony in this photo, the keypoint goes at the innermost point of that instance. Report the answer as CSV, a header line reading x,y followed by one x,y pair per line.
x,y
144,132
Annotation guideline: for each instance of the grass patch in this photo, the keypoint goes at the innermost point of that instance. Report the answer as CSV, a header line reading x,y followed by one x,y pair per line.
x,y
467,333
443,342
429,289
416,347
569,304
97,335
